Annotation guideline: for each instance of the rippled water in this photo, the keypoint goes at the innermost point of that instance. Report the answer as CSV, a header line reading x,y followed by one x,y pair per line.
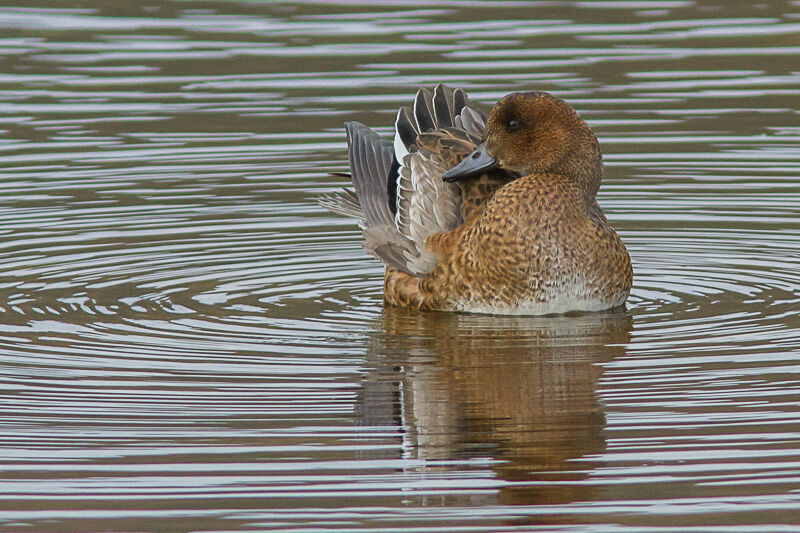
x,y
188,343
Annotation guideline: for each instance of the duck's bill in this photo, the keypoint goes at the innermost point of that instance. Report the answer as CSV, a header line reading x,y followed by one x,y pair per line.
x,y
475,163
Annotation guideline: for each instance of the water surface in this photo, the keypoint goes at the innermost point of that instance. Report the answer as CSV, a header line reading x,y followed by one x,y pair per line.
x,y
189,343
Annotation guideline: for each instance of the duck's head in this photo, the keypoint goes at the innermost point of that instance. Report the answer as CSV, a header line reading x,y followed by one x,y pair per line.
x,y
531,133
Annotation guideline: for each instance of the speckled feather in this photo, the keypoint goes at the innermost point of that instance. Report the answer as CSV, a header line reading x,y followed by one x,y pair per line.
x,y
548,255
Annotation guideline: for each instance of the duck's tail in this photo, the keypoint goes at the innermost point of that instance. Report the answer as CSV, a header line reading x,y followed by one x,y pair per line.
x,y
402,290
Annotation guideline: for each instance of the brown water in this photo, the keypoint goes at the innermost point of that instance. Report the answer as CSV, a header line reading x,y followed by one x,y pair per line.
x,y
188,343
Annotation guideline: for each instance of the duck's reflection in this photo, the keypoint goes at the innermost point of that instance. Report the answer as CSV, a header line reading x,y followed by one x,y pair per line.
x,y
519,391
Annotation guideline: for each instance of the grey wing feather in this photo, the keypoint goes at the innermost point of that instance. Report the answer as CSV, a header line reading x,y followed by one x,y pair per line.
x,y
370,163
460,100
424,203
423,111
471,120
443,106
344,202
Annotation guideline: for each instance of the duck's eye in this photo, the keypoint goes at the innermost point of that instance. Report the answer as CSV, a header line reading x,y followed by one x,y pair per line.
x,y
512,125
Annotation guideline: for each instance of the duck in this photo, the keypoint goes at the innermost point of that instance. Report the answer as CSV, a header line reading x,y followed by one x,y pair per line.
x,y
486,213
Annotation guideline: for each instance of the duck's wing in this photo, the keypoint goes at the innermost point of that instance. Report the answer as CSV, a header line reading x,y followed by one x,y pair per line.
x,y
434,136
400,198
426,204
373,168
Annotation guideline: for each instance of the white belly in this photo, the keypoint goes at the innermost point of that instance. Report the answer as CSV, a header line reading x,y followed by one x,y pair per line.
x,y
555,307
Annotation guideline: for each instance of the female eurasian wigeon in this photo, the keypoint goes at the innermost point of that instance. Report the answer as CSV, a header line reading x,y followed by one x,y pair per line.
x,y
482,215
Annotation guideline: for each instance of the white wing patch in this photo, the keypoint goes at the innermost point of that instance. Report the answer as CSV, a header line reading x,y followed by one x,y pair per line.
x,y
400,150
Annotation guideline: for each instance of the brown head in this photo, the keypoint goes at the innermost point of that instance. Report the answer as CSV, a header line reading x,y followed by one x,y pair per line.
x,y
532,133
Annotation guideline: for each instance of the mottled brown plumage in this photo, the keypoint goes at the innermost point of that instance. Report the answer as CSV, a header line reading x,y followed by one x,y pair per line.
x,y
451,146
517,255
534,245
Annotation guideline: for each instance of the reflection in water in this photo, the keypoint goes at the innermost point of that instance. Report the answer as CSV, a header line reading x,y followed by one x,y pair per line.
x,y
518,389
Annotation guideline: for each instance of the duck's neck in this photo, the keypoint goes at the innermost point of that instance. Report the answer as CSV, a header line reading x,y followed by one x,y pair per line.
x,y
583,163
